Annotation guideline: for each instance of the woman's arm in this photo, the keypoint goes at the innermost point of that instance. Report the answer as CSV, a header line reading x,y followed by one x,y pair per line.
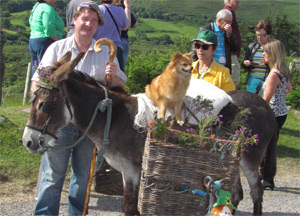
x,y
289,88
272,83
127,9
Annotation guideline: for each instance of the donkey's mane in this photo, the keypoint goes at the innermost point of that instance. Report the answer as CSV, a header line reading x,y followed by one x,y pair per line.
x,y
85,78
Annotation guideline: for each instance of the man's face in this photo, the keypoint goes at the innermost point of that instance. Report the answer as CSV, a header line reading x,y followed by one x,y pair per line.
x,y
234,4
86,23
223,22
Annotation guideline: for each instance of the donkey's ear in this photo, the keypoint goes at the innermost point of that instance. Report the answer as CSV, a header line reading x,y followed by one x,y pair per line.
x,y
62,73
65,58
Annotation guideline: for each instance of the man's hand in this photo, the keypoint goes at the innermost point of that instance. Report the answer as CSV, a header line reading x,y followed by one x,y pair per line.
x,y
111,69
228,29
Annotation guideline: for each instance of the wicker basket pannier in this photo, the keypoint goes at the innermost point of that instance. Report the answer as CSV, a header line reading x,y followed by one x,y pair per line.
x,y
172,178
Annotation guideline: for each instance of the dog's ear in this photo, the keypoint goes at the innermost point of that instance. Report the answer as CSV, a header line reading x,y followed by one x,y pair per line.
x,y
177,55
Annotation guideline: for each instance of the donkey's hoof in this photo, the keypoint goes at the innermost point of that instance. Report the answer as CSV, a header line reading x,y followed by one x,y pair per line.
x,y
268,185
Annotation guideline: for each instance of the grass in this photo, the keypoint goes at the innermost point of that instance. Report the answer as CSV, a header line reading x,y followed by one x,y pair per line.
x,y
18,19
289,138
158,28
15,161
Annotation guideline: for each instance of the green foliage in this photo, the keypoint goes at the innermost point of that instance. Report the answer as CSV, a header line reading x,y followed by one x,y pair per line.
x,y
287,32
188,138
4,14
293,98
158,129
142,68
6,23
182,43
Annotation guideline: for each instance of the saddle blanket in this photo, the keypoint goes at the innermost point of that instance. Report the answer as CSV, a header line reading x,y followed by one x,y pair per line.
x,y
147,109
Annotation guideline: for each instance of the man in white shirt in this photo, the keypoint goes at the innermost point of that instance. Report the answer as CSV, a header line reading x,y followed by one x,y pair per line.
x,y
55,162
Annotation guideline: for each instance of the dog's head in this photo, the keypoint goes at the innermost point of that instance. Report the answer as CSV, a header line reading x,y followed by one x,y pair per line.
x,y
182,63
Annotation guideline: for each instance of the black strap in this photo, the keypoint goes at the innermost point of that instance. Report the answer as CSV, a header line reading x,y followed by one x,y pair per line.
x,y
113,19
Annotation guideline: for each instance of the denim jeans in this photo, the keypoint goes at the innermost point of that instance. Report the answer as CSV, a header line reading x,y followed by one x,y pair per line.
x,y
55,164
125,46
120,58
37,48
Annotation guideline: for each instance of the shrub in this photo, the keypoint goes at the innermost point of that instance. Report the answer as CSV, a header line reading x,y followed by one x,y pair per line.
x,y
293,98
142,68
5,14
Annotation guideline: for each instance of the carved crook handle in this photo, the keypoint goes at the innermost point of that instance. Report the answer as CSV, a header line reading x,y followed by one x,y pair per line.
x,y
112,51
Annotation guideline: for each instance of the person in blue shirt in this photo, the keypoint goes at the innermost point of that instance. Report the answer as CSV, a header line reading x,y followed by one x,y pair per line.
x,y
226,39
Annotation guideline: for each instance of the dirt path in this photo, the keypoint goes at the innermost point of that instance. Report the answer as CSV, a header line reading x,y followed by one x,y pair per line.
x,y
283,201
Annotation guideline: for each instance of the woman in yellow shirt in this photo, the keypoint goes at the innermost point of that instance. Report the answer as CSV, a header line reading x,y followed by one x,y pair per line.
x,y
206,67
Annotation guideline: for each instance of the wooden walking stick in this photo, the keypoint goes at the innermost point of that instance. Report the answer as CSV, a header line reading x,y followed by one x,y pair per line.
x,y
112,52
112,55
88,190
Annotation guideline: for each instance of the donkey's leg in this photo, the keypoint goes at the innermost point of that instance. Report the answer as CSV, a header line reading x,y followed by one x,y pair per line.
x,y
237,191
250,169
131,180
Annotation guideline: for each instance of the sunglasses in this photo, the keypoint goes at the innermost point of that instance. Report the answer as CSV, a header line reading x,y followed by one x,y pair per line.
x,y
204,46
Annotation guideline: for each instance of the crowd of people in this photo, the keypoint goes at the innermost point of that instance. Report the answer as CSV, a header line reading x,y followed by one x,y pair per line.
x,y
216,48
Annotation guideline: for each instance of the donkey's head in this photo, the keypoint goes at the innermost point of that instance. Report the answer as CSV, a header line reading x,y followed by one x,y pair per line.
x,y
50,110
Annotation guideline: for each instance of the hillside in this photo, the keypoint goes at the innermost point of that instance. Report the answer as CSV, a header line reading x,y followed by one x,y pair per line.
x,y
165,26
199,12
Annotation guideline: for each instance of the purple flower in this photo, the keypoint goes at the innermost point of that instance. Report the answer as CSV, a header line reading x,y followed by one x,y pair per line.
x,y
256,137
187,130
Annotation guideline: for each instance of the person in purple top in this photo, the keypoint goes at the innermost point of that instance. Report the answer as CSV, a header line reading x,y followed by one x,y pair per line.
x,y
232,5
116,20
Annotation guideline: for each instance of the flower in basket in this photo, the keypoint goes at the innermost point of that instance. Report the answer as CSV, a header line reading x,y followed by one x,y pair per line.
x,y
158,128
43,72
188,138
243,136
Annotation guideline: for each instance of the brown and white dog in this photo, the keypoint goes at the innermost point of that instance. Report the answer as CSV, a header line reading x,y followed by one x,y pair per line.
x,y
168,89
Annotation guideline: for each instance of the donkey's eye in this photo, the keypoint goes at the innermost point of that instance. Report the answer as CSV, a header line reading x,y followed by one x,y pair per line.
x,y
47,107
40,106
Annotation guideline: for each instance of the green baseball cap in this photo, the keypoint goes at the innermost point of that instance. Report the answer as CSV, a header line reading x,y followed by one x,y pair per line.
x,y
207,37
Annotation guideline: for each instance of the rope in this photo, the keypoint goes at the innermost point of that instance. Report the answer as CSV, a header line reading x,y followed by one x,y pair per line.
x,y
217,187
102,105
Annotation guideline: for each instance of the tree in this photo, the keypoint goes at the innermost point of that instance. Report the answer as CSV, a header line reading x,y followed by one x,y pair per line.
x,y
13,6
287,33
6,23
182,44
